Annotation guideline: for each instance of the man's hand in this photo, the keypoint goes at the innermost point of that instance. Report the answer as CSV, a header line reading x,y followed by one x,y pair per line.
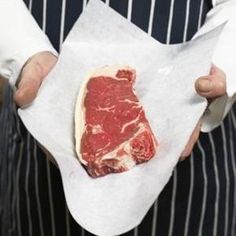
x,y
210,87
32,75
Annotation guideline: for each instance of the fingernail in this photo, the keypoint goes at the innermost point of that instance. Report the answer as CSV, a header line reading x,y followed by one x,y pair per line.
x,y
204,85
213,69
182,158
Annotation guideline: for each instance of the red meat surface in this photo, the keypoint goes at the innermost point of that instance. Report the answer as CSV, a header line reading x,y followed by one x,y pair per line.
x,y
117,135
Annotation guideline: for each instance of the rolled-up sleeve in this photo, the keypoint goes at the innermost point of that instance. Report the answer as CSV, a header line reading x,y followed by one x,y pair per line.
x,y
20,38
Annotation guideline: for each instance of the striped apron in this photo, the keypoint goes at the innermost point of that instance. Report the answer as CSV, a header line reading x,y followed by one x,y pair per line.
x,y
199,199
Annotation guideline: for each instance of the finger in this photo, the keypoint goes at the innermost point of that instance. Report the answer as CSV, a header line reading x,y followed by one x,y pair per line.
x,y
211,86
217,71
188,150
193,139
28,87
48,155
27,92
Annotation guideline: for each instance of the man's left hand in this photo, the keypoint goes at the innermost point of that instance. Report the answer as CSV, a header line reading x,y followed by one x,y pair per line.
x,y
211,87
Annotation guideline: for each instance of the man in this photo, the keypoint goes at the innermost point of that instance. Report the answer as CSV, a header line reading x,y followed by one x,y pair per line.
x,y
198,200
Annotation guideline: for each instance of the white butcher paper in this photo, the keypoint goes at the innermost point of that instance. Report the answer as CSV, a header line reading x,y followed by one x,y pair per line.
x,y
116,203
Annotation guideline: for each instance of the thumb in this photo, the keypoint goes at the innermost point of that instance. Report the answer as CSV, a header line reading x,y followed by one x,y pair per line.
x,y
31,79
213,85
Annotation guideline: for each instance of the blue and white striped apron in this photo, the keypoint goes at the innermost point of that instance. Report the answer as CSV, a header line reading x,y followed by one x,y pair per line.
x,y
200,198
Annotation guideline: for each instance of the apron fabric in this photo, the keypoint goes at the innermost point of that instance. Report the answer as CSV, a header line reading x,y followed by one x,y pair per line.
x,y
199,199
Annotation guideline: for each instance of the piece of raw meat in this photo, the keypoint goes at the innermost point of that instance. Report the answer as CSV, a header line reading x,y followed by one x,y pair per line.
x,y
111,130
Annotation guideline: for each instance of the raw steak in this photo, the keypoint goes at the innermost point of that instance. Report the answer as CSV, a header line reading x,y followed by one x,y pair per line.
x,y
112,132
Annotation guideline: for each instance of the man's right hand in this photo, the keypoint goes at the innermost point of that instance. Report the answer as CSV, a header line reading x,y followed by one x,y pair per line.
x,y
32,75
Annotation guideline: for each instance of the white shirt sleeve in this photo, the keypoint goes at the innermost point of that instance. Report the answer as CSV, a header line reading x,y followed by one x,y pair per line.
x,y
20,38
224,57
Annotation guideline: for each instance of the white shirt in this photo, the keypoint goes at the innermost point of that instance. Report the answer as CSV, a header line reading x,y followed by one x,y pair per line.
x,y
21,38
